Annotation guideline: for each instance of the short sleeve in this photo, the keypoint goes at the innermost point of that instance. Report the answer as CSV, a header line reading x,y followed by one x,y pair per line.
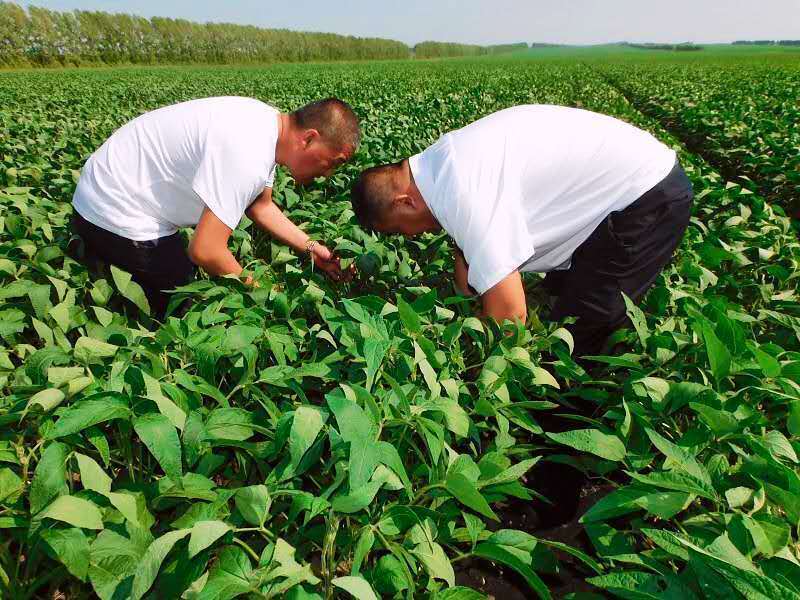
x,y
496,244
227,180
271,177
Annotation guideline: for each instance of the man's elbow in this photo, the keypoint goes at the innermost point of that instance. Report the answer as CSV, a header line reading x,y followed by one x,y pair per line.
x,y
200,255
506,313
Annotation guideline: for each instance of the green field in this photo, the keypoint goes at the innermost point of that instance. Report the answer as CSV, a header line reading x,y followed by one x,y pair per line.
x,y
300,440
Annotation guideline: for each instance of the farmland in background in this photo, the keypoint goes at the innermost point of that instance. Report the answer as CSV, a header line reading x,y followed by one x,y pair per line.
x,y
307,441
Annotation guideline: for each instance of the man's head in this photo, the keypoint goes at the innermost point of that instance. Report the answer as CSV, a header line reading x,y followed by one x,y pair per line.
x,y
318,138
386,199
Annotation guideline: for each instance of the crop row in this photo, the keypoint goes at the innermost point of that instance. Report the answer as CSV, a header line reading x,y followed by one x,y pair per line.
x,y
303,440
742,117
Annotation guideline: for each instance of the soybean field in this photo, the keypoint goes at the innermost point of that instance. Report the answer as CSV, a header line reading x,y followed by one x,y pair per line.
x,y
305,440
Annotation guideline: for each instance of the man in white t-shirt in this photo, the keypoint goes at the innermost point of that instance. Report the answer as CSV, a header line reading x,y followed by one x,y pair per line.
x,y
204,164
595,202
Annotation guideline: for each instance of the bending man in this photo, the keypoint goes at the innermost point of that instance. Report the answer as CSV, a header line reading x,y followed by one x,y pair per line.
x,y
204,164
596,203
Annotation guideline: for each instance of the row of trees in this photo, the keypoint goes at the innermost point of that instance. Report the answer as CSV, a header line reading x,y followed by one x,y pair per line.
x,y
767,43
448,49
685,47
42,37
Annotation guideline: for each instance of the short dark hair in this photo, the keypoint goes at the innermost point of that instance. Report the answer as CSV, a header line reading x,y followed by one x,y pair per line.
x,y
373,193
335,120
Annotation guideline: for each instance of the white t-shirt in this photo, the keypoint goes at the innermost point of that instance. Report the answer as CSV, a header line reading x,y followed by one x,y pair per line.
x,y
522,188
159,171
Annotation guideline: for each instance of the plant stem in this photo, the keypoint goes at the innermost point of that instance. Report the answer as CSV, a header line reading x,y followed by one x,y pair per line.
x,y
247,549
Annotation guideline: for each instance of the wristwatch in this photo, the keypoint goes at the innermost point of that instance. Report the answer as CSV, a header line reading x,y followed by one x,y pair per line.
x,y
310,244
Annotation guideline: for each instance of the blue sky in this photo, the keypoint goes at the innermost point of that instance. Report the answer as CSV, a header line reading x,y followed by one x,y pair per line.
x,y
488,21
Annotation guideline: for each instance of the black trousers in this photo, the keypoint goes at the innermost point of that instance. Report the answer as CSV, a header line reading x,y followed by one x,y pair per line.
x,y
156,265
625,253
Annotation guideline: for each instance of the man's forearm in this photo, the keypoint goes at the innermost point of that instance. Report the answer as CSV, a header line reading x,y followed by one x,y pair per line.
x,y
217,263
271,219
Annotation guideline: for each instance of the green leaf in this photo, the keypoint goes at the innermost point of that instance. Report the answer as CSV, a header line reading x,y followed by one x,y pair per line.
x,y
130,289
718,355
71,548
229,577
465,492
75,511
357,499
593,441
254,503
664,505
92,475
408,316
459,593
47,399
150,563
161,438
89,350
363,546
497,553
435,560
86,413
363,460
50,477
230,424
205,533
307,422
357,587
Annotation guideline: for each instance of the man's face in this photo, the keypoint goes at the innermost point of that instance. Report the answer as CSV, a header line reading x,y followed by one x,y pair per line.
x,y
317,159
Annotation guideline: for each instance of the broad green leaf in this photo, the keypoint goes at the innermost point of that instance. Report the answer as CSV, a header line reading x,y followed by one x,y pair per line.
x,y
465,492
50,477
159,435
130,289
408,316
308,421
92,475
47,399
363,546
357,587
718,355
75,511
500,554
89,350
205,533
254,503
230,424
150,563
436,562
594,441
86,413
71,548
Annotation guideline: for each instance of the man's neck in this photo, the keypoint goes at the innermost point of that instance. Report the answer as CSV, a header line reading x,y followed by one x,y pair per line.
x,y
414,191
282,146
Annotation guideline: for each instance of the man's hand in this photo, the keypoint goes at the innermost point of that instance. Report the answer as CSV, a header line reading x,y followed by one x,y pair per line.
x,y
506,300
327,261
462,275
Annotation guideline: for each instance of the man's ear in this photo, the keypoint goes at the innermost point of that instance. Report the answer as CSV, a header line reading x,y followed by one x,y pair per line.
x,y
404,202
308,137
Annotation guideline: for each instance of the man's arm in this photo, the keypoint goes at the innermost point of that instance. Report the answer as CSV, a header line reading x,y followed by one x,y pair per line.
x,y
506,300
208,248
269,217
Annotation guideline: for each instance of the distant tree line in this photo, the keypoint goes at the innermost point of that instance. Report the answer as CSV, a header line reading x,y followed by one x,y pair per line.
x,y
767,43
449,49
42,37
685,47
